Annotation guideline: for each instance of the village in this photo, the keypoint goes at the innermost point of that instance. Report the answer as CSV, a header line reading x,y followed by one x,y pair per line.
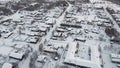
x,y
60,34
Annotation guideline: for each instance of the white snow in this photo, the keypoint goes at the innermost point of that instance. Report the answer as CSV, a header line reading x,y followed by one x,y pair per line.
x,y
4,50
7,65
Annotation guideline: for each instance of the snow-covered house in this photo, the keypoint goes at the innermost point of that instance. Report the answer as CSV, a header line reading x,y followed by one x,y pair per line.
x,y
17,55
41,58
115,58
32,40
50,21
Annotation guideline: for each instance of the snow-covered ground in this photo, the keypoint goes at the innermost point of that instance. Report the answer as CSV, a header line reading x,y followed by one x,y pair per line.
x,y
55,43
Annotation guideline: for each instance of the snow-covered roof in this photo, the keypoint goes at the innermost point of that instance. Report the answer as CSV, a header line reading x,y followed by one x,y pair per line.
x,y
32,39
115,60
16,55
43,28
50,49
50,21
21,38
7,65
19,46
41,58
70,58
115,56
94,1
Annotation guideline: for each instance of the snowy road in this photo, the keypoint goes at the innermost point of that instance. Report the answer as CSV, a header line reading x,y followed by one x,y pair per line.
x,y
115,25
107,61
58,22
25,63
